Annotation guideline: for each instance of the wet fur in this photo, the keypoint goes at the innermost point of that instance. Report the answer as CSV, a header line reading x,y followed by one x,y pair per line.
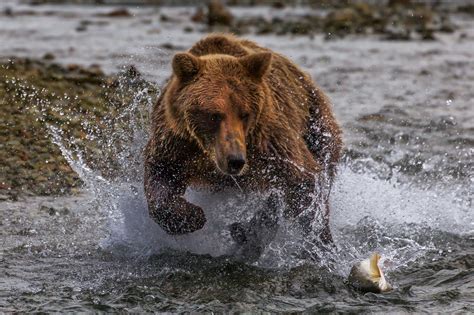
x,y
293,140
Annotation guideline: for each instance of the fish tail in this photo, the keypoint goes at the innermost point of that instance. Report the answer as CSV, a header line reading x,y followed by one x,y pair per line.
x,y
374,267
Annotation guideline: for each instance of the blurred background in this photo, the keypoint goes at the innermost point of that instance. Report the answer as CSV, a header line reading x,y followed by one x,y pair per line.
x,y
372,57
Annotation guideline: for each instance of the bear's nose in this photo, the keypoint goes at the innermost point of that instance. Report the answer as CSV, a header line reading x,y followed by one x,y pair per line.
x,y
235,163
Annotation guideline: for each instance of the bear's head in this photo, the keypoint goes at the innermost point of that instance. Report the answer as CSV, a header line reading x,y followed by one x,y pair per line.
x,y
217,100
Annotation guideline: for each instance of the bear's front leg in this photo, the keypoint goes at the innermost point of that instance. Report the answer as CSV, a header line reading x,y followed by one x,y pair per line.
x,y
164,188
252,237
304,198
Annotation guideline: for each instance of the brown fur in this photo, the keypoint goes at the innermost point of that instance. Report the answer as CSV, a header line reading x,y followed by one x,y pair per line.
x,y
230,96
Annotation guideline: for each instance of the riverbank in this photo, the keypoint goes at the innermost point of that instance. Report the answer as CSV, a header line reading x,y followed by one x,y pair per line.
x,y
37,95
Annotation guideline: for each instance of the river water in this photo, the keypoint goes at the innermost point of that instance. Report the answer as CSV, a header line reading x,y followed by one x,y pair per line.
x,y
404,189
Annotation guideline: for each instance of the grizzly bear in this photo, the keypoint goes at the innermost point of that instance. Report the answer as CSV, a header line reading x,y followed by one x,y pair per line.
x,y
237,114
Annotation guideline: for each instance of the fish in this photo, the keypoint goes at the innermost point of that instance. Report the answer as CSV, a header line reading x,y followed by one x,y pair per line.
x,y
367,276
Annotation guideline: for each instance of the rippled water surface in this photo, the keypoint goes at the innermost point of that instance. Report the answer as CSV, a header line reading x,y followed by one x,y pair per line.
x,y
404,189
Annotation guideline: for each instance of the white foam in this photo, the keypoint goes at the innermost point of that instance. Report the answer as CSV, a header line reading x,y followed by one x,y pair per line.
x,y
360,195
355,197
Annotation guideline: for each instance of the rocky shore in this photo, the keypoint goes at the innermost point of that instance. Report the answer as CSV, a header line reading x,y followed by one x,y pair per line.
x,y
399,20
80,101
37,97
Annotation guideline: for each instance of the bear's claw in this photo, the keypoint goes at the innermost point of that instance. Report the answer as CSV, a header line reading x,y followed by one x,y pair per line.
x,y
182,217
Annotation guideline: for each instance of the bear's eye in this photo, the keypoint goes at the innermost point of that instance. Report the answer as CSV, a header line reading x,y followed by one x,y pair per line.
x,y
216,117
245,116
204,121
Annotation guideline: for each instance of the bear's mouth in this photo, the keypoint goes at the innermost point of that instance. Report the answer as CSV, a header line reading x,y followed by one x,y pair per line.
x,y
232,172
234,169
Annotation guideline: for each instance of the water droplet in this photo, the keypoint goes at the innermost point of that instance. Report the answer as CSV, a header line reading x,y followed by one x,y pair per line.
x,y
449,102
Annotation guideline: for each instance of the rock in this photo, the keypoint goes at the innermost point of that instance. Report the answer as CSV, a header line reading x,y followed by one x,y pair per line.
x,y
36,2
81,28
264,27
373,117
428,34
296,28
132,72
446,25
393,3
154,31
278,5
199,16
425,72
121,12
341,21
8,11
397,33
468,9
85,22
72,67
49,56
52,211
218,14
363,8
49,210
169,46
27,232
95,70
422,16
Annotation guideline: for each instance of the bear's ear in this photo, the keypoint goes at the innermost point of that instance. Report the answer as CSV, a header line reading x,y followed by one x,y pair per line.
x,y
257,64
185,66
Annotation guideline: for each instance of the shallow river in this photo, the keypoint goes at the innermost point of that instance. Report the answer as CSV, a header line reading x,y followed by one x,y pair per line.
x,y
405,186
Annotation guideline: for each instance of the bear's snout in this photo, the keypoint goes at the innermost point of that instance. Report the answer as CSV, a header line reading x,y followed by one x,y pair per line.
x,y
231,158
230,149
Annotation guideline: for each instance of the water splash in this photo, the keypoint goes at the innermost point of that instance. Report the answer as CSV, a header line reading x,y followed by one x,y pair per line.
x,y
368,213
